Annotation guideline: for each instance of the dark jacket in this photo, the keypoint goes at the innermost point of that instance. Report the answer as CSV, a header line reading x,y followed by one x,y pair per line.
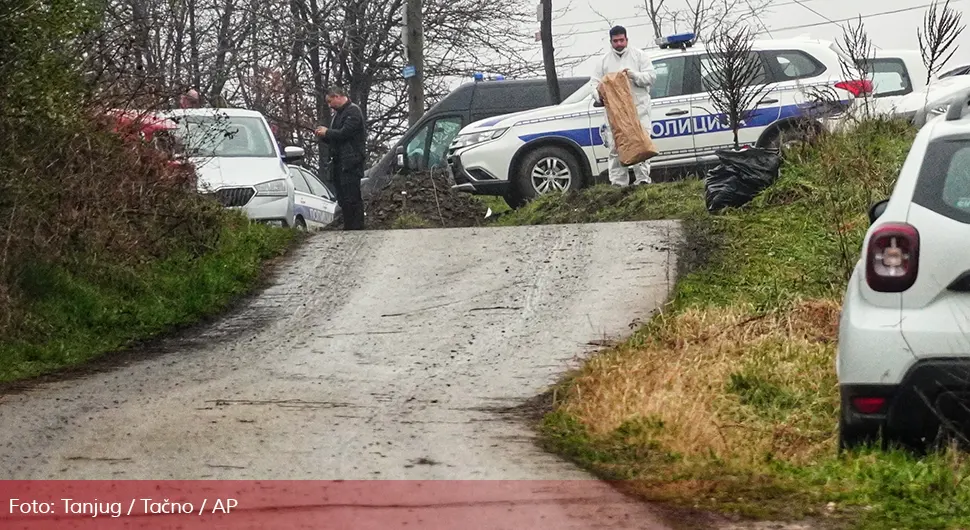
x,y
347,138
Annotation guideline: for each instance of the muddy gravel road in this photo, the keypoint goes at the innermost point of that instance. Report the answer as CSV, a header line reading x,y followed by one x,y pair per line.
x,y
371,355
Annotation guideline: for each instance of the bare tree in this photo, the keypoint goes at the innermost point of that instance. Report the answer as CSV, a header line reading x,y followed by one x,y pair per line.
x,y
735,77
281,56
856,54
937,38
703,17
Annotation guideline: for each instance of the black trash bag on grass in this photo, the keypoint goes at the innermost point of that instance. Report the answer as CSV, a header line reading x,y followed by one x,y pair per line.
x,y
740,177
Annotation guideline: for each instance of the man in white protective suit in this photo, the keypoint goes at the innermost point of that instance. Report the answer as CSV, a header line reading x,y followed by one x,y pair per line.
x,y
639,68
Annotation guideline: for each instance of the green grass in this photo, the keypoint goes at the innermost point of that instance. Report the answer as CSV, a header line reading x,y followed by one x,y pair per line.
x,y
604,203
74,316
743,357
495,202
409,220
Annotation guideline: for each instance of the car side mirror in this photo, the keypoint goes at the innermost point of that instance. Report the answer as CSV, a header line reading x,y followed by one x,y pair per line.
x,y
400,159
293,154
877,210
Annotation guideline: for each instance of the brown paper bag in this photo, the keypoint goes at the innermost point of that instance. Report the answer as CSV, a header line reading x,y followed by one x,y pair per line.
x,y
633,144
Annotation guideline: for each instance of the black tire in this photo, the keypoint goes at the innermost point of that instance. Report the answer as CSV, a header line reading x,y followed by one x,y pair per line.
x,y
788,136
555,166
513,199
300,224
855,436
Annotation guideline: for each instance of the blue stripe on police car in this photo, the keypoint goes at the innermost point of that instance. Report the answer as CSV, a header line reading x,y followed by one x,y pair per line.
x,y
679,127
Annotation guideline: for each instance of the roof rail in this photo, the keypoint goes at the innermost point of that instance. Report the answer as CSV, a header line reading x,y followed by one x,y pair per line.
x,y
955,111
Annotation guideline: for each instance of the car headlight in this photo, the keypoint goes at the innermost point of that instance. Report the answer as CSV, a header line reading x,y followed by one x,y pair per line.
x,y
938,110
470,139
273,187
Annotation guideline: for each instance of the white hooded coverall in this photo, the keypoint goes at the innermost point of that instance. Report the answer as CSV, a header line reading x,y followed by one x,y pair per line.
x,y
643,76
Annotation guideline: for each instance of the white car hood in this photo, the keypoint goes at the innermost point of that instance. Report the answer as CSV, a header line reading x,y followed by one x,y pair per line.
x,y
217,172
508,120
936,93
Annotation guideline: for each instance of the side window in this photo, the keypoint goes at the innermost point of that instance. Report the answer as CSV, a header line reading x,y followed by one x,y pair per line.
x,y
417,149
670,77
317,187
944,179
790,65
299,183
710,80
890,77
956,189
445,130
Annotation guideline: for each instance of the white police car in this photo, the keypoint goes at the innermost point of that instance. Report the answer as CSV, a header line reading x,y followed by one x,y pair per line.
x,y
522,155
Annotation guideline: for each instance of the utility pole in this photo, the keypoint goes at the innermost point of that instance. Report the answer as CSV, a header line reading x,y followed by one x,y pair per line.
x,y
548,53
414,46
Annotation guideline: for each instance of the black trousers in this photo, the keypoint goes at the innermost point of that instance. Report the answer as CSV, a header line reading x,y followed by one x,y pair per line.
x,y
347,184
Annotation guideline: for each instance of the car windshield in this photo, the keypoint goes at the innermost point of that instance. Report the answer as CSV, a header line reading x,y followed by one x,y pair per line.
x,y
580,94
218,135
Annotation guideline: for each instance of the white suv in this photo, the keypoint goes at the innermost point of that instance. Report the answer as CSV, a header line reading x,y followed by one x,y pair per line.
x,y
561,147
903,360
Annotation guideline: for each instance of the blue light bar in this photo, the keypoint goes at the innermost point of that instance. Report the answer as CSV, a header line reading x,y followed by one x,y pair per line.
x,y
500,77
479,76
680,40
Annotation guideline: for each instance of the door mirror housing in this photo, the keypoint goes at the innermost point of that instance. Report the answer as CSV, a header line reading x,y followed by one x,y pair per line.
x,y
293,154
400,158
877,210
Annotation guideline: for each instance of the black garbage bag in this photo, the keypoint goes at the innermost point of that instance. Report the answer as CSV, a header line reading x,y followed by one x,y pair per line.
x,y
740,177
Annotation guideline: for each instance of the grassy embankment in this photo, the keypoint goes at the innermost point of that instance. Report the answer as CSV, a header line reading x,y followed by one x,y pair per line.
x,y
70,315
728,399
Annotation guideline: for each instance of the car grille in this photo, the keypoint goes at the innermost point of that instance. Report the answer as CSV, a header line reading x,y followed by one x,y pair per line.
x,y
234,197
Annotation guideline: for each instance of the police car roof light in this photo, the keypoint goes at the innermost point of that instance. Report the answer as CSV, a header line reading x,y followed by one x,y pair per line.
x,y
680,40
479,76
500,77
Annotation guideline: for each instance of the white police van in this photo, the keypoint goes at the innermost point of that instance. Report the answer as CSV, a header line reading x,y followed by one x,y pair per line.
x,y
561,147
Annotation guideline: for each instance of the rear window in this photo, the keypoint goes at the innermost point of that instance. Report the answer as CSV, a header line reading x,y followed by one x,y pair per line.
x,y
890,77
789,65
944,184
511,97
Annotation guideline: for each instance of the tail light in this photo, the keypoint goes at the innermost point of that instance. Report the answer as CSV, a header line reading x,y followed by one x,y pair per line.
x,y
869,405
856,87
892,260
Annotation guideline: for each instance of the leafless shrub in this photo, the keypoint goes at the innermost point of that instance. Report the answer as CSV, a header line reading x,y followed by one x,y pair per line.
x,y
937,38
856,55
735,77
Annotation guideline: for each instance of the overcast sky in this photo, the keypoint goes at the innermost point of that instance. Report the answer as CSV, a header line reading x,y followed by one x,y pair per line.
x,y
581,29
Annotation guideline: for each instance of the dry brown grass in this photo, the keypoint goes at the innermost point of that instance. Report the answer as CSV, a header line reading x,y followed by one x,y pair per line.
x,y
777,369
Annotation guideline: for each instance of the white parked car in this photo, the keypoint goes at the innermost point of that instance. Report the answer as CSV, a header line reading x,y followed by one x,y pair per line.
x,y
239,161
932,100
315,204
903,359
561,147
895,74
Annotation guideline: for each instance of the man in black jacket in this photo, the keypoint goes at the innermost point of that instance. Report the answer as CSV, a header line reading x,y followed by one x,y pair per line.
x,y
346,137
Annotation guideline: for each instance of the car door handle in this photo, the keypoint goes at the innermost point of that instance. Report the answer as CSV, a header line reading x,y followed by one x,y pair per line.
x,y
769,101
677,112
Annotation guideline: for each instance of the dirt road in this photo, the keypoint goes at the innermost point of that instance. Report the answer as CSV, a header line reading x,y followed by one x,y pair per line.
x,y
373,355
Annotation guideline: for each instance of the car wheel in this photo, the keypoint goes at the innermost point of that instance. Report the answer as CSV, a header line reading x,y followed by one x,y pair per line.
x,y
855,436
788,137
300,225
547,170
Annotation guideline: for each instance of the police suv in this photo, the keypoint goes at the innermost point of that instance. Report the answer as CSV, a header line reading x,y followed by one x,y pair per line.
x,y
559,148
